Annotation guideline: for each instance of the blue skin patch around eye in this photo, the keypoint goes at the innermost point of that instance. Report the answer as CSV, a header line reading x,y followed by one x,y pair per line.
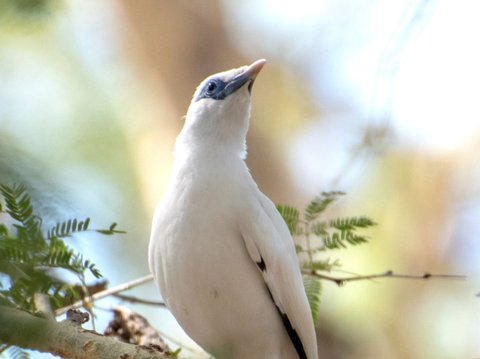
x,y
218,90
213,89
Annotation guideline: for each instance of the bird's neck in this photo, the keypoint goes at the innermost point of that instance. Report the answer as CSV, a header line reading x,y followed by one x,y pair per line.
x,y
209,148
201,159
205,159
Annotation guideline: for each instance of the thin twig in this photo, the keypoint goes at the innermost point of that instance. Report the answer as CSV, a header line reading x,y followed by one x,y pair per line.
x,y
132,299
105,293
387,274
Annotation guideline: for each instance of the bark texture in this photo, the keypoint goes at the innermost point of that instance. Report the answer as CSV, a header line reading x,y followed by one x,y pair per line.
x,y
64,338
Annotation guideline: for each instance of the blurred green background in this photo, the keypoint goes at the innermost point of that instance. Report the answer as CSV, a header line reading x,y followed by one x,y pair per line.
x,y
376,98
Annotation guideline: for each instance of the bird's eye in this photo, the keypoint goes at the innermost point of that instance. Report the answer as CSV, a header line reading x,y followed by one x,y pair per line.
x,y
211,87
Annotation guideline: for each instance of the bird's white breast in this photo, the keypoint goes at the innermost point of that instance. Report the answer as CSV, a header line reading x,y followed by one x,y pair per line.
x,y
200,261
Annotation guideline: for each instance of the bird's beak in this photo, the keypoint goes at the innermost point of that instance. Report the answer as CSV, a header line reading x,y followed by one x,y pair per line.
x,y
248,75
252,71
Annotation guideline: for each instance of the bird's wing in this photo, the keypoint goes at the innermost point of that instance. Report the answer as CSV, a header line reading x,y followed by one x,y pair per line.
x,y
271,247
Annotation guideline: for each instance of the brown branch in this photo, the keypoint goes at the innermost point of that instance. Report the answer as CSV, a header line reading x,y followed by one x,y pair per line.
x,y
388,274
64,339
104,293
132,299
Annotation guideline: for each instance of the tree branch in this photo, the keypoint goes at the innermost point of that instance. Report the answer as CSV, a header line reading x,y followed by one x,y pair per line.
x,y
131,299
105,293
387,274
64,338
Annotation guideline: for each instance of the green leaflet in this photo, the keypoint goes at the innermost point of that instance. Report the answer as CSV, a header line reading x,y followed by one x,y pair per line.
x,y
27,255
315,234
291,216
320,203
313,288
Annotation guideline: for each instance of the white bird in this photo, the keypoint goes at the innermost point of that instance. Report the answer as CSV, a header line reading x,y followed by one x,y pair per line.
x,y
219,250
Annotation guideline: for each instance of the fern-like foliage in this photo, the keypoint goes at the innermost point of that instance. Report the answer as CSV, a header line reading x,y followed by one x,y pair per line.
x,y
28,255
320,203
316,234
324,265
67,228
341,232
313,288
335,233
19,207
350,223
291,215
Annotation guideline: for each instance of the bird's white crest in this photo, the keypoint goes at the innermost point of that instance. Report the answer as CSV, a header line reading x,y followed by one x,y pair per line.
x,y
220,252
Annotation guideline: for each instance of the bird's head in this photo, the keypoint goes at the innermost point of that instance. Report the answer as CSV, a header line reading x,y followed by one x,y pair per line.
x,y
219,113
